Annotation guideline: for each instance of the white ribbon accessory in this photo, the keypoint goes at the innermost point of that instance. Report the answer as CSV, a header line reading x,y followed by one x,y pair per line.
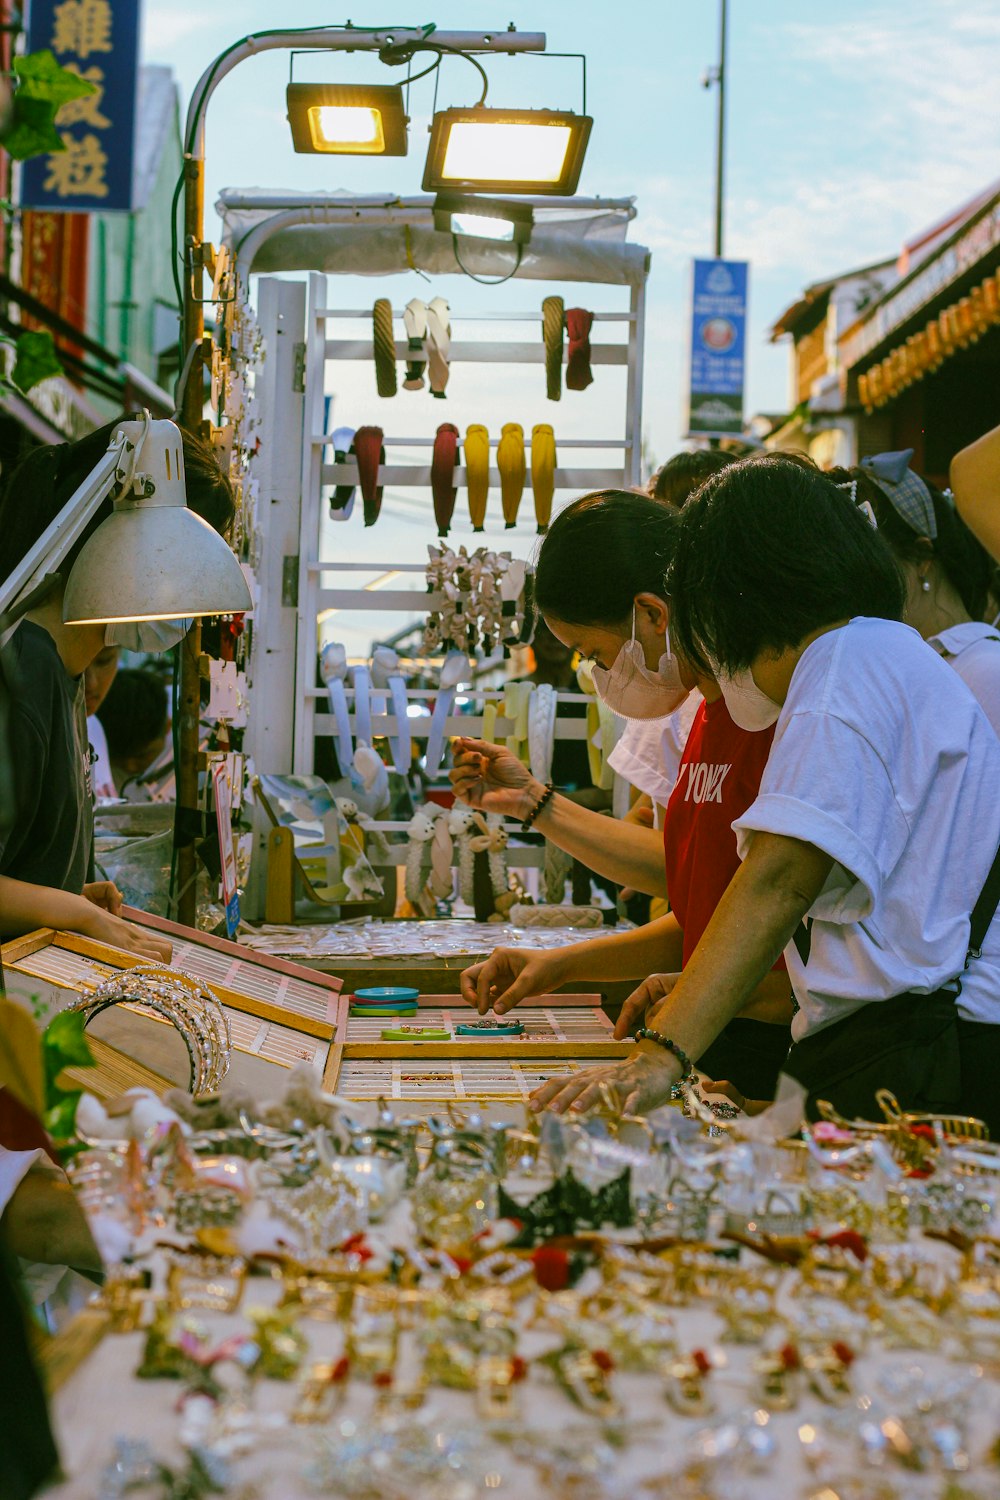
x,y
454,670
333,670
363,705
387,676
542,730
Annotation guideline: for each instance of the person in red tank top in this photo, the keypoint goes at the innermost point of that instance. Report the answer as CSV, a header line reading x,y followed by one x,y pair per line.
x,y
599,587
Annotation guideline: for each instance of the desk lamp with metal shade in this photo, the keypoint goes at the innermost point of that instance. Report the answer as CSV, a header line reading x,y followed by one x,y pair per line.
x,y
152,559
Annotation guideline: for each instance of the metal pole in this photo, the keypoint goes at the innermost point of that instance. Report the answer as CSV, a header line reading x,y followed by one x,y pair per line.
x,y
720,143
192,417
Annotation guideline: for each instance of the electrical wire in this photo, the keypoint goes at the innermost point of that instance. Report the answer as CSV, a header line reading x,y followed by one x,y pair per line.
x,y
487,280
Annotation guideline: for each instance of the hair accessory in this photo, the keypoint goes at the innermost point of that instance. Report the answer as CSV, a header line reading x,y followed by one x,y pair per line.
x,y
184,1001
907,492
342,499
362,679
443,485
646,1034
578,326
386,674
541,730
543,473
511,463
477,472
438,345
553,318
333,670
482,600
454,671
415,323
384,344
370,453
516,707
538,808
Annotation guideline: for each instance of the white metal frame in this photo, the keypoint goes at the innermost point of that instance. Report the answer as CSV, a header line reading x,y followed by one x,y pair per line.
x,y
291,697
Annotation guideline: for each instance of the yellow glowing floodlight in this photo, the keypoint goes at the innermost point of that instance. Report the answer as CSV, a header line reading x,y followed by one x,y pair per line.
x,y
347,119
506,150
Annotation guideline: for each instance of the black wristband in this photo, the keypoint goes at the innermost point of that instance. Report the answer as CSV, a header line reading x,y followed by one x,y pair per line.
x,y
539,806
645,1034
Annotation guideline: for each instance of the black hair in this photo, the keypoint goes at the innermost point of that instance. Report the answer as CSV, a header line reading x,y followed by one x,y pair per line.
x,y
767,552
599,553
681,475
134,712
967,565
37,489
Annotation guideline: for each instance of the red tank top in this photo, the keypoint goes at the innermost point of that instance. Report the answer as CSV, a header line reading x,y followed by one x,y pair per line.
x,y
718,779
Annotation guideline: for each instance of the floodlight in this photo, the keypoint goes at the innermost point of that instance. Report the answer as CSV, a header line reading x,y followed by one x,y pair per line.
x,y
468,215
506,150
347,119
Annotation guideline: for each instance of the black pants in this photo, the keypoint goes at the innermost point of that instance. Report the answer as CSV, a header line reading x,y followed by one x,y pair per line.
x,y
914,1045
979,1053
750,1054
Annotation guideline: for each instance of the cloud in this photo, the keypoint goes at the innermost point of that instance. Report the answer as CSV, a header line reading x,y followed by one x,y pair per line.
x,y
166,27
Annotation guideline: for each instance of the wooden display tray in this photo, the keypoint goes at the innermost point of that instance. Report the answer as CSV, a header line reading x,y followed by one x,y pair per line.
x,y
279,1013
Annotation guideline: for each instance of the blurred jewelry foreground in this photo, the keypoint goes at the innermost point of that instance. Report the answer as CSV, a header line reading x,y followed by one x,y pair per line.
x,y
597,1306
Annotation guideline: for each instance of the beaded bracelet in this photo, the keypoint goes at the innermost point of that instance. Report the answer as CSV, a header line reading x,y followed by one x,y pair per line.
x,y
539,806
645,1034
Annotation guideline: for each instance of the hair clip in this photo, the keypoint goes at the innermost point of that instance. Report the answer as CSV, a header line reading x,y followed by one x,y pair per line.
x,y
687,1389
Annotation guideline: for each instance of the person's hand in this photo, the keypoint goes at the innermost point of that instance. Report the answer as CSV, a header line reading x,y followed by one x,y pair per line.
x,y
638,1008
639,1083
105,928
491,777
509,976
105,894
731,1092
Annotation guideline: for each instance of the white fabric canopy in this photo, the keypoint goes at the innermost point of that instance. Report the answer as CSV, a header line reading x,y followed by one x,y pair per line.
x,y
572,240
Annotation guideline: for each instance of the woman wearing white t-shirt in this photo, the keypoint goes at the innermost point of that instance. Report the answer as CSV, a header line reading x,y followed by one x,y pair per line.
x,y
946,572
876,829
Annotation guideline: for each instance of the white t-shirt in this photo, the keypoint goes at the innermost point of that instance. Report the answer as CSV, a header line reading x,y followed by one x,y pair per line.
x,y
649,751
883,759
973,650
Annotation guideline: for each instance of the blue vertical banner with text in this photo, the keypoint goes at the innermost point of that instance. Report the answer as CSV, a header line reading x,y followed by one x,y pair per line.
x,y
99,39
718,348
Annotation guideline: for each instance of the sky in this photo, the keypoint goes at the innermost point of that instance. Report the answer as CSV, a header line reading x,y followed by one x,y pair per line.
x,y
851,126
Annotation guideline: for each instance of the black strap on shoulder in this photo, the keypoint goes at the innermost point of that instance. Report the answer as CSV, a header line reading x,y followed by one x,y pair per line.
x,y
984,911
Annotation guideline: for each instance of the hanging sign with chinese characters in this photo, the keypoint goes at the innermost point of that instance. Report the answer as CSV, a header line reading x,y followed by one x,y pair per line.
x,y
99,39
718,339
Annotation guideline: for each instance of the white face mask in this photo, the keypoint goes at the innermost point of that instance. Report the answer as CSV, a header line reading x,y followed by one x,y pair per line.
x,y
146,635
749,707
629,688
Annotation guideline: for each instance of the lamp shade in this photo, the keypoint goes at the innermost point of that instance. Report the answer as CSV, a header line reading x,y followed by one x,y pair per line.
x,y
154,563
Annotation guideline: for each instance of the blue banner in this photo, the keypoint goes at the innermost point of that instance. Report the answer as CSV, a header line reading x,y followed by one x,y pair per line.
x,y
99,39
718,347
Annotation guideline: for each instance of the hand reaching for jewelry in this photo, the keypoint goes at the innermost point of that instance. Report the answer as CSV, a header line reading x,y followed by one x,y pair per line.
x,y
640,1083
640,1007
509,976
491,777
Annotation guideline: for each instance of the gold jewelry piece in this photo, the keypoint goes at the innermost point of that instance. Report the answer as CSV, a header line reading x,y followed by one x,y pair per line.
x,y
687,1387
209,1281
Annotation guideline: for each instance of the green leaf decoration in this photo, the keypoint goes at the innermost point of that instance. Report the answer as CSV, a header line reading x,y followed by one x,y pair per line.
x,y
60,1117
36,361
66,1045
32,130
43,87
40,76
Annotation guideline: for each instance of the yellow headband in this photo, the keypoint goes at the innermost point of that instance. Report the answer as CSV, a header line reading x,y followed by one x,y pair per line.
x,y
543,473
477,472
513,469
